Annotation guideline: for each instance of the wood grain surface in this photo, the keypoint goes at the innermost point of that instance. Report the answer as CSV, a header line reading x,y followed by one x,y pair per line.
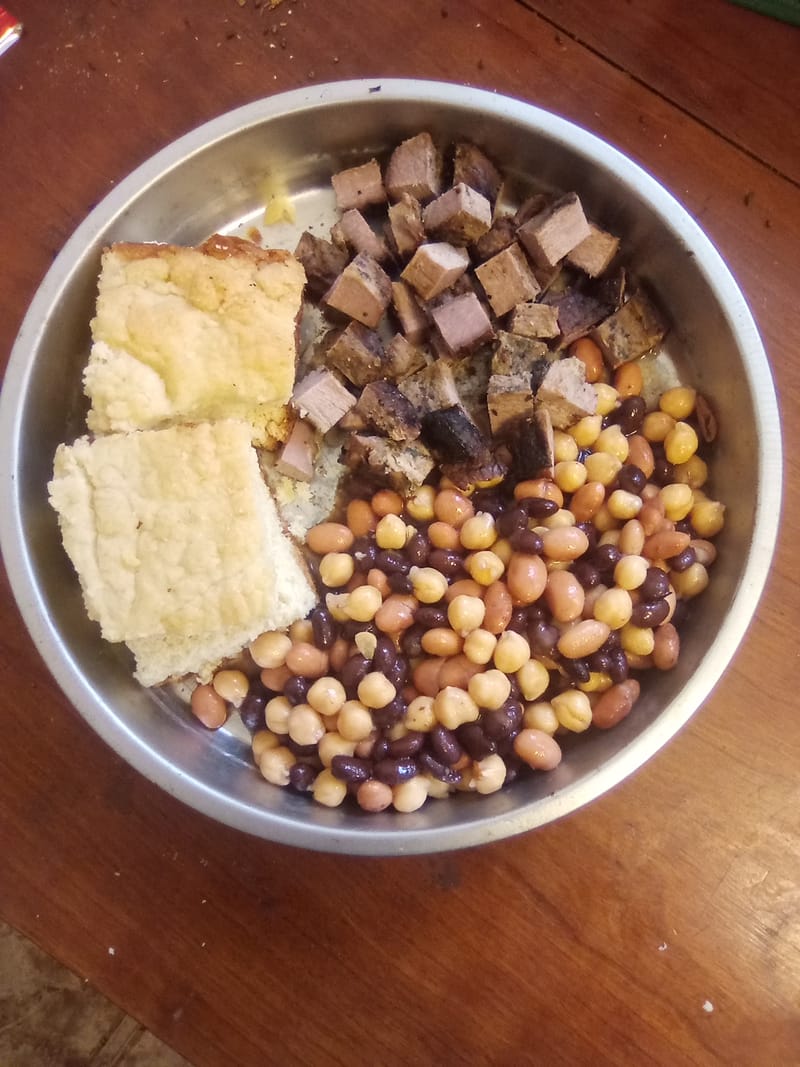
x,y
659,925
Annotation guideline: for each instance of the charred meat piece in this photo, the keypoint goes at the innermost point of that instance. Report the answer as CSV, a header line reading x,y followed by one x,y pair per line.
x,y
474,168
403,358
434,268
359,187
501,234
515,354
471,378
507,279
389,411
463,323
414,167
414,321
358,354
489,470
630,332
432,388
405,465
460,216
297,456
565,393
532,446
358,235
577,313
404,228
322,261
595,252
554,232
362,291
322,398
534,320
453,437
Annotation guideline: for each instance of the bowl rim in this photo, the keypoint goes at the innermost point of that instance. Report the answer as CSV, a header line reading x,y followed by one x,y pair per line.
x,y
364,840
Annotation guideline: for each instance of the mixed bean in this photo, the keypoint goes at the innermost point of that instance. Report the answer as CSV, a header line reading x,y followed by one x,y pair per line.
x,y
461,634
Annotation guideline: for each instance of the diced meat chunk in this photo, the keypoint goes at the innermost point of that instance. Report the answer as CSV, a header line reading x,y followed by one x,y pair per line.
x,y
435,267
452,436
358,354
460,216
463,323
534,320
517,355
359,236
533,447
322,398
507,279
501,234
509,398
359,187
630,332
490,469
413,320
362,291
389,411
595,252
406,465
403,358
431,388
474,168
565,393
405,229
297,456
577,313
414,167
322,261
471,378
554,232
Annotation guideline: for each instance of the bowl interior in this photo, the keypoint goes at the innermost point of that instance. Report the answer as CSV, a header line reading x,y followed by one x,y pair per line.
x,y
214,180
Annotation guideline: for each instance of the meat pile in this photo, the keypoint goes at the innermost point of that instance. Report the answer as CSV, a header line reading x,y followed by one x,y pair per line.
x,y
451,320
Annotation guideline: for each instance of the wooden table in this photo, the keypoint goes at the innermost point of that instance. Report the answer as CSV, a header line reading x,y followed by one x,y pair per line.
x,y
659,925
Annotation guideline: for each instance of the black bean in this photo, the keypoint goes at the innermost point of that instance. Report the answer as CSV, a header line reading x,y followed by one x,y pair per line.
x,y
428,762
655,584
390,561
543,637
510,521
351,768
430,616
418,549
685,526
324,627
605,558
538,507
502,723
444,745
527,541
301,777
663,470
353,671
379,748
537,612
394,771
400,583
364,551
411,641
650,613
407,745
591,533
600,661
577,669
586,573
680,614
683,560
398,673
611,643
296,689
631,478
251,710
351,627
514,767
519,621
630,414
385,654
490,500
300,750
474,741
445,561
618,669
389,714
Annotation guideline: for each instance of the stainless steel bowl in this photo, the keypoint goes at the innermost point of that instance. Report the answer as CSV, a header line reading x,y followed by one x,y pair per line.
x,y
213,180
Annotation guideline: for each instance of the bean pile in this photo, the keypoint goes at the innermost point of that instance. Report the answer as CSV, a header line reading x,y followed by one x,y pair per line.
x,y
460,634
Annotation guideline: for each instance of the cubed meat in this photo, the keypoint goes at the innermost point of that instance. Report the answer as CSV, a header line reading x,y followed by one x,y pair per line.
x,y
630,332
474,168
431,388
532,446
405,465
514,354
509,399
453,437
501,234
435,267
577,313
359,187
534,320
507,279
296,459
471,378
403,358
460,216
405,230
359,236
554,232
389,411
413,320
322,398
322,261
595,252
362,291
565,393
414,167
358,354
462,323
490,469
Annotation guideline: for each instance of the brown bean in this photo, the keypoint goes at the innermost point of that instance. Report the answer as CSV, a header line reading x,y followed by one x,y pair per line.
x,y
329,537
667,647
583,638
640,454
307,660
380,580
499,608
209,707
426,676
539,487
457,671
275,678
453,507
396,613
338,654
665,543
526,577
442,641
464,587
361,519
564,543
443,535
564,595
615,704
587,501
387,502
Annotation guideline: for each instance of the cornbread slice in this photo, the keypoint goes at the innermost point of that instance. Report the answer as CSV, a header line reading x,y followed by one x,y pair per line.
x,y
194,334
177,544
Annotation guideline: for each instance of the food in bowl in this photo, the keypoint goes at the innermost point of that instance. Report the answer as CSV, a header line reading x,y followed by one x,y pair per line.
x,y
522,528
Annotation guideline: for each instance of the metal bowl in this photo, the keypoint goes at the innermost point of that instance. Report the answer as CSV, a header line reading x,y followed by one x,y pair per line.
x,y
213,179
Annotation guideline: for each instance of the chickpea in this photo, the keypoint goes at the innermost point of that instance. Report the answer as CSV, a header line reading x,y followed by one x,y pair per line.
x,y
511,652
275,764
333,744
489,774
614,607
656,425
208,707
375,690
428,584
419,505
598,682
305,725
586,430
387,502
562,517
537,749
366,643
677,498
263,741
328,537
637,639
631,571
630,539
301,630
363,603
569,475
231,685
573,710
478,531
479,646
326,695
691,582
453,707
681,443
484,567
541,716
502,548
533,679
328,789
694,472
390,532
489,689
613,441
565,448
452,507
336,569
602,467
623,505
269,649
465,613
708,518
410,795
276,715
420,715
607,398
678,402
335,603
355,721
